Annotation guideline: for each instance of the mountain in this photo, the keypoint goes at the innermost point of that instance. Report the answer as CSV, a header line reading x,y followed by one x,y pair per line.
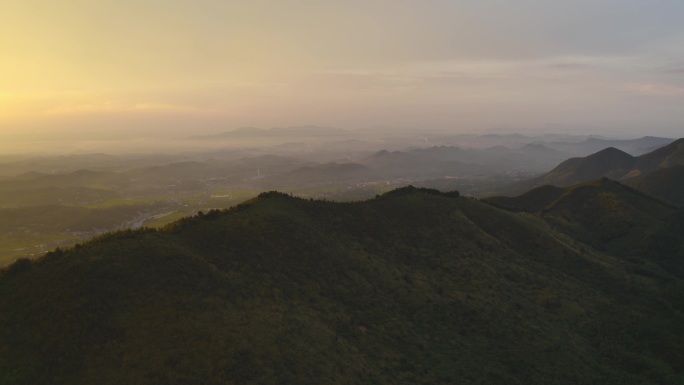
x,y
531,201
667,156
666,184
538,149
433,161
591,145
607,162
610,162
608,216
415,286
608,213
255,132
456,161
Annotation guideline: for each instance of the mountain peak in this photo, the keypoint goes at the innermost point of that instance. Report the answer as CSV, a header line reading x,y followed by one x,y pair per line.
x,y
610,152
610,162
666,156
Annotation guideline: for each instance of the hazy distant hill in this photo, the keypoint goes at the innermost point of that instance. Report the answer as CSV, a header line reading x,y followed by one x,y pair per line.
x,y
268,163
634,147
609,162
572,145
448,160
289,132
413,287
422,162
539,149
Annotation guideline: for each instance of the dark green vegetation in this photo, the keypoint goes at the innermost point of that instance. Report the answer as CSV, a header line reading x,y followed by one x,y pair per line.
x,y
412,287
666,184
610,217
531,201
32,230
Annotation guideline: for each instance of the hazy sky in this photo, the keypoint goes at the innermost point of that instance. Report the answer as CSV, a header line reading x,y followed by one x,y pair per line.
x,y
103,67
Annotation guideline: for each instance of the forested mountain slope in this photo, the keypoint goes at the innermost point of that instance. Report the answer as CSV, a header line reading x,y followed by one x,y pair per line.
x,y
666,184
609,162
413,287
608,216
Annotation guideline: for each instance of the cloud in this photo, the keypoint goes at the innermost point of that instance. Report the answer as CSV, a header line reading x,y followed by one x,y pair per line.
x,y
653,89
570,66
117,107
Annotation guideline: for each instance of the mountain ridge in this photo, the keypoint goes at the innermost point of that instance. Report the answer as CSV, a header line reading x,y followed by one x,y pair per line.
x,y
414,286
609,162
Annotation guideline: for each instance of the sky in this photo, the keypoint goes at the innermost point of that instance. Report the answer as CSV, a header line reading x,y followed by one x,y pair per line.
x,y
174,67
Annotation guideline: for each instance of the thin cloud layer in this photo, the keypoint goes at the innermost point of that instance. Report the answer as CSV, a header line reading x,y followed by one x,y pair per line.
x,y
464,65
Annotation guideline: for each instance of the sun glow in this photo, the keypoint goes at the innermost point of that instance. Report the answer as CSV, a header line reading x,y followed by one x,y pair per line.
x,y
339,63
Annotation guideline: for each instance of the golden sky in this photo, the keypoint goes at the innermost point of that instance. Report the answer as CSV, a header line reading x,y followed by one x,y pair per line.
x,y
129,66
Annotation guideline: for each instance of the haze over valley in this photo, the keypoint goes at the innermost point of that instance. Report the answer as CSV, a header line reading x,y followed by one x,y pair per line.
x,y
57,200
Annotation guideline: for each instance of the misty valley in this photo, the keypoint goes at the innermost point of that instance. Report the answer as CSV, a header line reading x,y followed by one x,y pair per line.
x,y
49,201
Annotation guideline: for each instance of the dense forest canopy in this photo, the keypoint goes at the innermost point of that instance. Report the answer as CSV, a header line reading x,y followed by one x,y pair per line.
x,y
414,286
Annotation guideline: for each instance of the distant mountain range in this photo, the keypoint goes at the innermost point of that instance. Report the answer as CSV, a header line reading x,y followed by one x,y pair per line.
x,y
634,147
610,162
279,132
568,144
449,160
422,163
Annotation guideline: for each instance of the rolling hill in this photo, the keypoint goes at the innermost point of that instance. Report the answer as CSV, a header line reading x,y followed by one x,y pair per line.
x,y
666,184
415,286
422,162
451,161
667,156
609,162
531,202
608,216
